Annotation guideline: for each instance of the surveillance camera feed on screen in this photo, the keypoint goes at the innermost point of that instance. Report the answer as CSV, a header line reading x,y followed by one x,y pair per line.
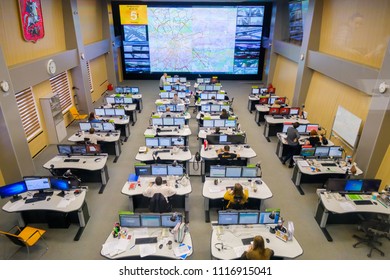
x,y
194,39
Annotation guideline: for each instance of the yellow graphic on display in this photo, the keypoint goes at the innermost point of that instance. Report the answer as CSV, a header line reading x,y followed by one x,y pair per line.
x,y
133,14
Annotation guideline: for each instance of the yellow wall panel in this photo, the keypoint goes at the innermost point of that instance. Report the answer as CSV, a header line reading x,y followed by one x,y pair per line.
x,y
384,170
99,77
284,77
90,13
357,30
15,49
324,97
2,182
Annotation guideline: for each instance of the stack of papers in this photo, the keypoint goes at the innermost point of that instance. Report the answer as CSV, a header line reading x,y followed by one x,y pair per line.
x,y
182,251
115,247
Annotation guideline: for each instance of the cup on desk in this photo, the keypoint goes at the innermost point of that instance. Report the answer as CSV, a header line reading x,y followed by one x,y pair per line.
x,y
169,244
216,182
374,195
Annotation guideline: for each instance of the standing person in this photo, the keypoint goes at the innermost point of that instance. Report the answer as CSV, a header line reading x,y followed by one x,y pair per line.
x,y
163,80
257,250
293,144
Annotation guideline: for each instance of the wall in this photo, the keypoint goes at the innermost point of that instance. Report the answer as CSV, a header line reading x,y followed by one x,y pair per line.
x,y
90,12
384,170
284,77
99,77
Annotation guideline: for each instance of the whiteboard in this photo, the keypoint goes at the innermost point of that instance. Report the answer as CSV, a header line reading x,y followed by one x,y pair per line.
x,y
347,126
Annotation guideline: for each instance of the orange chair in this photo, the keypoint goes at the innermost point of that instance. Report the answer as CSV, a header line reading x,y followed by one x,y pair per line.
x,y
76,115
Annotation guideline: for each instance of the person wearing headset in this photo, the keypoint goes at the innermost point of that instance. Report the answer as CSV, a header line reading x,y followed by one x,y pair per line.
x,y
224,153
158,187
257,250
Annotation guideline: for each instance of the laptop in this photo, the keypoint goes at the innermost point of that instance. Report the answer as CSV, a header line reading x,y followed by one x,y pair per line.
x,y
247,241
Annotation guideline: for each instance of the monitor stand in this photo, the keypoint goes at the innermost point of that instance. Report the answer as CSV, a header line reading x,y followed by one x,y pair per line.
x,y
15,198
61,194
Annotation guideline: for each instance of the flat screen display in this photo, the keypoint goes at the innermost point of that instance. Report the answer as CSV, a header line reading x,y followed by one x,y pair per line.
x,y
245,218
227,218
118,100
353,186
230,123
166,220
217,171
233,171
134,90
177,141
107,126
284,111
13,189
79,149
151,142
226,107
204,96
269,217
157,121
85,126
371,185
143,170
215,108
321,151
110,100
37,184
129,220
208,123
64,149
308,152
109,112
255,91
294,111
223,138
100,111
59,184
219,123
205,108
175,170
336,152
274,111
167,87
164,94
249,172
164,141
168,121
159,170
263,100
310,127
179,121
150,220
119,112
98,126
127,100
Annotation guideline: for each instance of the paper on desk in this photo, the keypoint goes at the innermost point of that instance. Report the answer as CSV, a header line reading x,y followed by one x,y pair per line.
x,y
182,251
239,250
216,189
139,233
115,247
347,205
147,249
303,163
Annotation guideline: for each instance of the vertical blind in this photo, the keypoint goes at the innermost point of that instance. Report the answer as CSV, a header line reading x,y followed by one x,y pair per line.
x,y
28,113
89,77
60,85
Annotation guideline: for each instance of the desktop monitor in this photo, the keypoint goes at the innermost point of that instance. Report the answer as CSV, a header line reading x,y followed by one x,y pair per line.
x,y
217,87
263,90
263,100
129,220
168,121
282,100
219,123
120,112
230,123
175,88
118,100
166,220
176,79
335,184
161,108
353,185
164,94
177,141
227,218
169,79
98,126
109,112
119,90
212,95
274,111
167,87
308,151
248,217
13,190
159,170
179,121
100,112
181,94
294,111
85,126
226,107
286,126
134,90
233,171
199,80
208,123
371,185
164,141
223,138
201,87
302,128
93,149
217,171
64,149
322,151
110,100
108,126
284,111
271,100
179,108
269,217
182,88
182,79
150,220
143,170
61,184
255,91
175,170
157,121
215,108
151,142
205,108
336,152
127,100
37,183
220,96
207,80
79,149
126,90
209,87
310,127
204,96
249,172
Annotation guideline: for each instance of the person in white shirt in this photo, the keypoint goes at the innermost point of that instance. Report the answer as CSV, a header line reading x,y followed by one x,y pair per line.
x,y
158,187
163,80
176,99
94,138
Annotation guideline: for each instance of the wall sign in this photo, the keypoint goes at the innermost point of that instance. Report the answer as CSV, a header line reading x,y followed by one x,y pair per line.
x,y
32,20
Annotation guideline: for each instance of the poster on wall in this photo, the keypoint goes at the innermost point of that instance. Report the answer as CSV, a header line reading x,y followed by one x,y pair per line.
x,y
32,20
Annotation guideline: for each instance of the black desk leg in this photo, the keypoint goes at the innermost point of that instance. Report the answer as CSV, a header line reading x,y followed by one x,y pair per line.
x,y
187,217
102,187
116,159
327,235
301,192
207,216
79,233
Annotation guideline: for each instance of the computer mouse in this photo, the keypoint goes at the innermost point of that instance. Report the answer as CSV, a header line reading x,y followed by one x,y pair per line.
x,y
48,198
98,159
84,161
376,203
267,240
160,247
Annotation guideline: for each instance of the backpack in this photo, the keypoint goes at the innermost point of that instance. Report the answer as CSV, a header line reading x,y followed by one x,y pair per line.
x,y
159,204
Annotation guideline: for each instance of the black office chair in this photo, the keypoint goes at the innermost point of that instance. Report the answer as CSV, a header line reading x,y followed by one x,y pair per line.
x,y
374,229
159,204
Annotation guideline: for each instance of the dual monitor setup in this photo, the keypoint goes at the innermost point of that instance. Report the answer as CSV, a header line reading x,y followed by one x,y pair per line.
x,y
353,185
172,107
214,108
209,87
335,152
153,142
170,94
127,90
173,88
212,80
98,126
247,217
213,95
119,100
78,149
168,121
112,112
270,100
220,123
136,220
36,184
303,129
225,139
284,111
159,170
223,171
176,80
256,91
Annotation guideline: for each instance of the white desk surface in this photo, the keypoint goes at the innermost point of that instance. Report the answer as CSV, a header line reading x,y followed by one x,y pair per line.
x,y
179,156
237,149
69,203
85,162
302,139
132,250
185,131
307,166
271,120
231,239
204,132
145,181
347,206
117,120
188,94
212,191
217,102
112,137
169,101
262,108
134,96
186,115
215,116
127,107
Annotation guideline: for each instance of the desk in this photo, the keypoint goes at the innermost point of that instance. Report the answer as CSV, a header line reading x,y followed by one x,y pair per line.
x,y
217,102
261,112
311,171
282,143
71,208
88,168
122,124
273,125
110,145
253,100
137,99
136,197
185,115
216,192
184,132
233,247
331,207
181,155
133,251
186,102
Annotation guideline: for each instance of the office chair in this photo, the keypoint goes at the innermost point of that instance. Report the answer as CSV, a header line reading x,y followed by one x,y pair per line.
x,y
26,237
374,229
76,115
159,204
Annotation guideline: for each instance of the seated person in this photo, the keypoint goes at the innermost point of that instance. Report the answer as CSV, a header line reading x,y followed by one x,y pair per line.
x,y
224,114
277,104
217,130
176,99
224,153
94,138
314,140
236,197
257,250
167,113
93,118
213,100
157,187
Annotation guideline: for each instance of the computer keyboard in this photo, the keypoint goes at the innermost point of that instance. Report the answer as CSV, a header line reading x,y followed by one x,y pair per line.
x,y
71,160
278,117
328,164
362,202
34,199
145,240
43,194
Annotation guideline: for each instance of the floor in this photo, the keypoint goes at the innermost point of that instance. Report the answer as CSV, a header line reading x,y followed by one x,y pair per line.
x,y
104,208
